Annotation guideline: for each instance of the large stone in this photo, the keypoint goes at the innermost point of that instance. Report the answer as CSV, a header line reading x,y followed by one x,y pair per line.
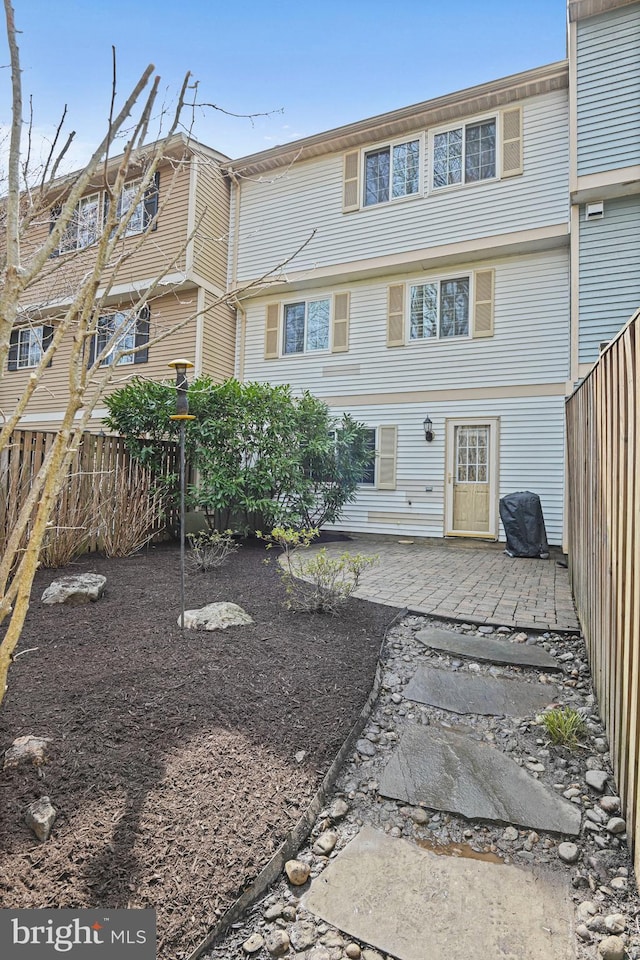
x,y
40,817
81,588
449,770
612,948
410,904
487,648
464,693
216,616
27,749
297,872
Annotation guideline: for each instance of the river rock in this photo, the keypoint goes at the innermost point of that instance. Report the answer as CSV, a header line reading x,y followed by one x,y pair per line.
x,y
596,779
611,948
616,825
615,923
253,944
568,852
297,872
325,843
277,943
81,588
339,809
302,935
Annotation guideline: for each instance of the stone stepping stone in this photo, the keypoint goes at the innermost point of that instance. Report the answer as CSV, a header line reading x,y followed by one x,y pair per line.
x,y
449,770
411,904
486,648
465,693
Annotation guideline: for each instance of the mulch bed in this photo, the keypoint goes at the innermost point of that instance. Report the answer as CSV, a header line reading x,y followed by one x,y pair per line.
x,y
172,763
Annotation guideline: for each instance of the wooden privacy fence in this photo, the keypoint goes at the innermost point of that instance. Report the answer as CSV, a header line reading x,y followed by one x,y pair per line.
x,y
603,425
107,498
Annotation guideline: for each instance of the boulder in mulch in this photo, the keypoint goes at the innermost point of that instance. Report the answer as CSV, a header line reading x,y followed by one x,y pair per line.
x,y
40,817
27,749
82,588
216,616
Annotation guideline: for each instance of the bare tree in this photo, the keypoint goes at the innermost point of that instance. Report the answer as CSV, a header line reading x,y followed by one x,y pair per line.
x,y
29,270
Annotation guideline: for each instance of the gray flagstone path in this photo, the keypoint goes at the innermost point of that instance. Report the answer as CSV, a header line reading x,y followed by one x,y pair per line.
x,y
465,693
486,648
448,770
415,905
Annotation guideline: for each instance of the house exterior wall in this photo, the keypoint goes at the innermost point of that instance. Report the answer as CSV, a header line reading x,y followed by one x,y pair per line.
x,y
211,223
609,272
217,353
608,90
280,213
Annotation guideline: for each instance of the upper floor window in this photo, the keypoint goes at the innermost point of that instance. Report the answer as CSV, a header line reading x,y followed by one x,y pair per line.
x,y
118,332
83,227
465,154
28,345
306,326
439,309
391,172
145,207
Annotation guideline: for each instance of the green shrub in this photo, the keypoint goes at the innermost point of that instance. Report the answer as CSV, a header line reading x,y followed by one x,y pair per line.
x,y
211,548
564,726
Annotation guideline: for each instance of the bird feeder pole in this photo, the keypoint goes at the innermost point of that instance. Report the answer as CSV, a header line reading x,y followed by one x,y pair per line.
x,y
182,415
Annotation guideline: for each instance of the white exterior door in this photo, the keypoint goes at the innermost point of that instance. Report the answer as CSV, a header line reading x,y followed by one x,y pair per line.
x,y
472,478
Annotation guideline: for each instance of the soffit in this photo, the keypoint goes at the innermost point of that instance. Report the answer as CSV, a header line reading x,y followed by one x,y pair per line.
x,y
429,113
580,9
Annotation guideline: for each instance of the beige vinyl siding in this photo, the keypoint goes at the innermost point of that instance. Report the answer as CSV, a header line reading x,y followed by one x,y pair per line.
x,y
531,457
218,341
281,214
156,255
211,243
53,391
531,319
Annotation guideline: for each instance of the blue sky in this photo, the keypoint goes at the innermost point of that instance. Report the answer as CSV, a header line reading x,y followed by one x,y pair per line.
x,y
321,64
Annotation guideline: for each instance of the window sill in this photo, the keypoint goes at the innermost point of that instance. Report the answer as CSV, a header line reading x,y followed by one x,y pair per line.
x,y
385,204
453,187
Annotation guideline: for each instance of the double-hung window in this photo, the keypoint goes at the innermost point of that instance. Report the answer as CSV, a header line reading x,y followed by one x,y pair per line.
x,y
143,208
391,172
28,345
83,227
465,154
368,477
439,309
306,326
121,331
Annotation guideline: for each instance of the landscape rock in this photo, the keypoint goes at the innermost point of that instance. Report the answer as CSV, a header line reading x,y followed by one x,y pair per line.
x,y
215,616
339,809
302,935
28,750
353,951
365,748
81,588
568,852
615,923
596,779
40,817
277,943
325,843
510,833
253,944
297,872
616,825
584,933
610,804
611,948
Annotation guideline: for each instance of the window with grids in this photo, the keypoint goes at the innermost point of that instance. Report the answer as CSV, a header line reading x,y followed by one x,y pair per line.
x,y
83,227
27,347
472,454
439,309
306,326
368,477
121,331
465,154
391,172
126,201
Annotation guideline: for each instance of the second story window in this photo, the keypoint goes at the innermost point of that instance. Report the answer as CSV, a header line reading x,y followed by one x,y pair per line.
x,y
121,331
28,345
306,326
465,154
145,208
391,172
439,309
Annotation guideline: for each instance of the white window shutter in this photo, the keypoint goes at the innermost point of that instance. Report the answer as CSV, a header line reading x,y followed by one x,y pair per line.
x,y
271,329
351,185
512,152
387,456
340,338
395,315
483,303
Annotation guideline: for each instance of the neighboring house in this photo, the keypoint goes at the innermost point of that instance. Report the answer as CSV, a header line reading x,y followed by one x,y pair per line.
x,y
434,288
189,199
604,49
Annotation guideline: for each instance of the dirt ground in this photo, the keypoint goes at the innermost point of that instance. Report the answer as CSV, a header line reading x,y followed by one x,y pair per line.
x,y
172,763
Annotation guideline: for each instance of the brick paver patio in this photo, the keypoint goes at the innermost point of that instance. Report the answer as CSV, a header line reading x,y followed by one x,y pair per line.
x,y
474,583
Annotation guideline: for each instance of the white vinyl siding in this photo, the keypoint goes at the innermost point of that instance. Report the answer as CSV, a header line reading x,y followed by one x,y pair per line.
x,y
609,273
608,93
280,214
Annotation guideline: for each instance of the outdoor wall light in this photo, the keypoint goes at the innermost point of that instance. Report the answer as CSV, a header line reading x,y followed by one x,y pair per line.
x,y
428,429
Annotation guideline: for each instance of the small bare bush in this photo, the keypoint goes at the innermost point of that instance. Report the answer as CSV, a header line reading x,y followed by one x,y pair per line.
x,y
211,549
128,508
69,530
